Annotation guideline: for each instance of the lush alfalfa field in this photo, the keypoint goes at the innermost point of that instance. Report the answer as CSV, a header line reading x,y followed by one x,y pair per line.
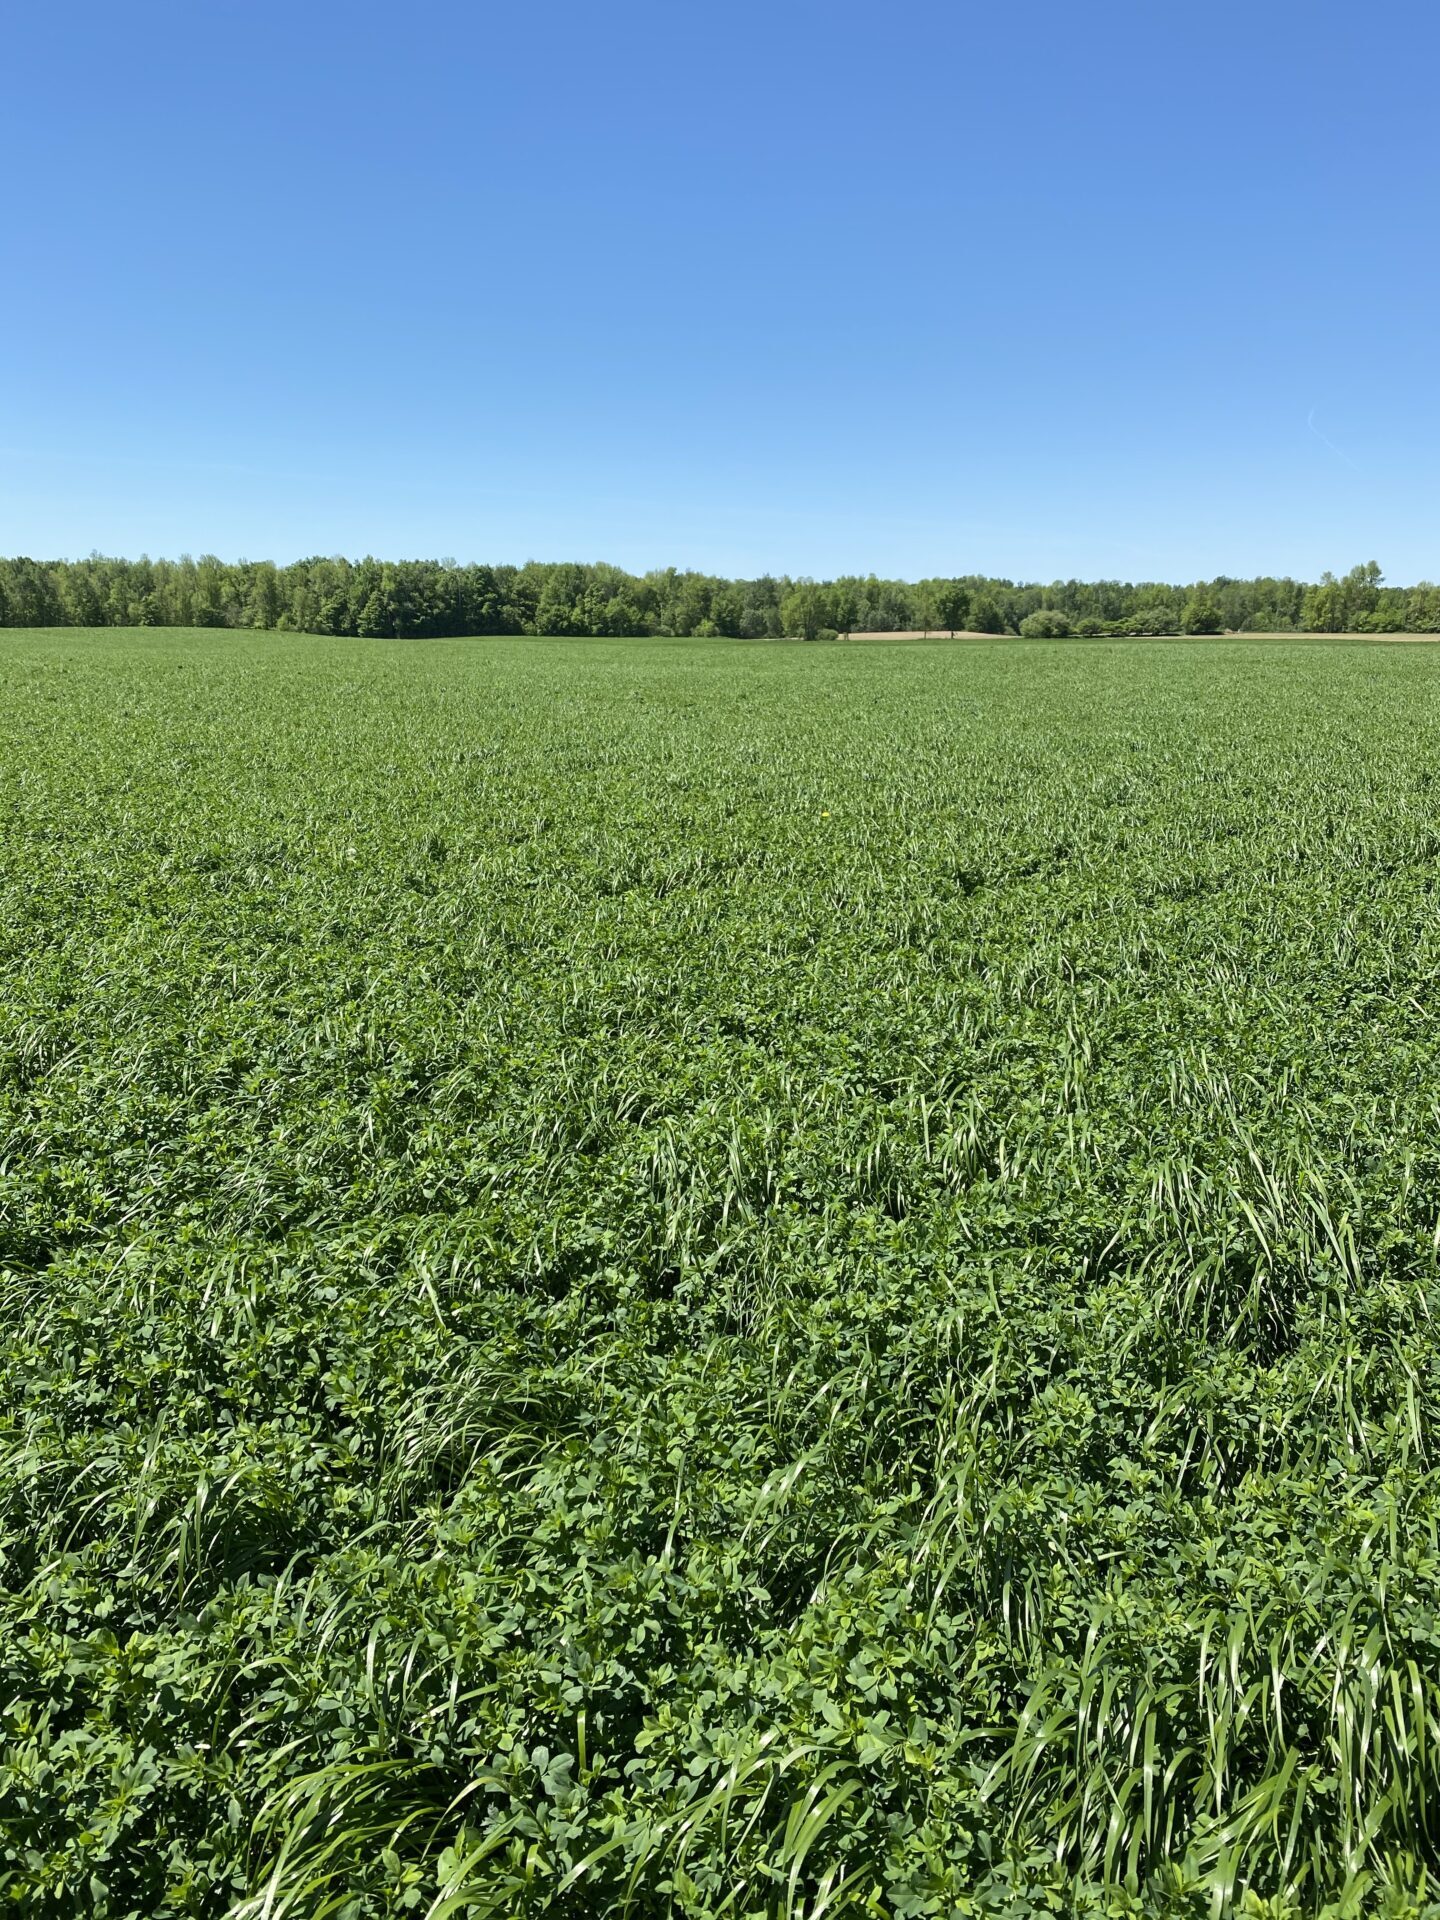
x,y
680,1278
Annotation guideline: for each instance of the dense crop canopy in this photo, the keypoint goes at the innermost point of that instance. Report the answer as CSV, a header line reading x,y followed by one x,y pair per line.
x,y
697,1279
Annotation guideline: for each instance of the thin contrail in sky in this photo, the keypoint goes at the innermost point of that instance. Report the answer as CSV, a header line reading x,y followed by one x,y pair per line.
x,y
1325,440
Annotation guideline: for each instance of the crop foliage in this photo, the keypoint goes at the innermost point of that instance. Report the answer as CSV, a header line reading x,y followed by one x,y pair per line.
x,y
700,1279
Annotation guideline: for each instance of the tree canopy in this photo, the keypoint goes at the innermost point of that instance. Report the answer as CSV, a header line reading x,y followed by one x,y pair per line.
x,y
404,598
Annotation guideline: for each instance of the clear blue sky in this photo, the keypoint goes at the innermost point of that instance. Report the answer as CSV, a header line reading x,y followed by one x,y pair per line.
x,y
1036,288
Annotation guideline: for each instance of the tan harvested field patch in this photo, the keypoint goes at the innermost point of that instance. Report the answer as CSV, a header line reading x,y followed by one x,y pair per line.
x,y
914,633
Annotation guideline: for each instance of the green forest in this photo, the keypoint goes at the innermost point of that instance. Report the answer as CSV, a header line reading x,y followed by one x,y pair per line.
x,y
397,599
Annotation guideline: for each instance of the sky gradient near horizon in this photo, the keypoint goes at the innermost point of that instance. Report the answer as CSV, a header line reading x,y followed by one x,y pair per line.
x,y
1029,289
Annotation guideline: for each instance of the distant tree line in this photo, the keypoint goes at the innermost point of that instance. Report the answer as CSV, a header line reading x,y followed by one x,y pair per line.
x,y
417,597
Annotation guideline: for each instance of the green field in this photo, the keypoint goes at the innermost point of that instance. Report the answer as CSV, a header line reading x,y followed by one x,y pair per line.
x,y
683,1278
